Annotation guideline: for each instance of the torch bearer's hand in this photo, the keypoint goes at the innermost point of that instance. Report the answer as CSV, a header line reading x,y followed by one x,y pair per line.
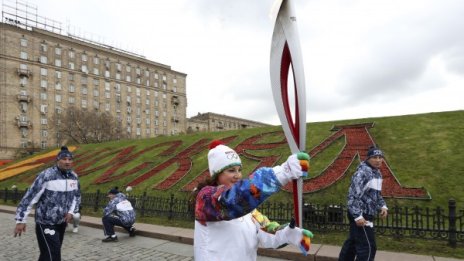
x,y
296,166
298,237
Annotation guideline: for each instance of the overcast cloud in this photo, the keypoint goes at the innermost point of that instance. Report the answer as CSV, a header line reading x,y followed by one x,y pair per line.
x,y
362,58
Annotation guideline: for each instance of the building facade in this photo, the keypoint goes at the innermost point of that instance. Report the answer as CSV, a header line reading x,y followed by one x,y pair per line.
x,y
42,73
205,122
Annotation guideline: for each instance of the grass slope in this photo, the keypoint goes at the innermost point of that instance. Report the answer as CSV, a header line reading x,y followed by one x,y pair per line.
x,y
422,150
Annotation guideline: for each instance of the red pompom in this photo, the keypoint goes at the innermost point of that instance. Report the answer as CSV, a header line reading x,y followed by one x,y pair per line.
x,y
214,143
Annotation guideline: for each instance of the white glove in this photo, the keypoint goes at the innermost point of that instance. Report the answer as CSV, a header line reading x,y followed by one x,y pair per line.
x,y
296,166
301,238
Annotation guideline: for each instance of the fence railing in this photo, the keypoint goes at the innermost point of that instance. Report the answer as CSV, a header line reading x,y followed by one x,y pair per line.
x,y
435,223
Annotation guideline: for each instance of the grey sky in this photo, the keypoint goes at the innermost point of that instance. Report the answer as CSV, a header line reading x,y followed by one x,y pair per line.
x,y
362,58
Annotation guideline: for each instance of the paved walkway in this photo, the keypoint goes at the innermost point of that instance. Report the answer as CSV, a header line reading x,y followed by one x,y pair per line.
x,y
152,242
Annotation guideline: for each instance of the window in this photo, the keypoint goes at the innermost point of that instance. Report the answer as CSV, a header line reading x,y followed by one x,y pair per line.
x,y
84,103
58,51
107,86
84,90
58,85
164,95
138,131
43,108
107,95
58,62
43,59
71,100
147,73
129,89
107,74
118,67
96,104
23,55
44,133
43,96
128,78
174,89
84,69
72,88
57,74
23,81
84,57
118,76
43,72
43,84
107,107
96,71
96,60
174,80
84,80
137,91
156,76
147,121
43,47
128,99
117,86
71,54
43,144
96,82
24,42
71,65
96,93
71,77
156,84
147,102
148,83
128,68
58,97
43,121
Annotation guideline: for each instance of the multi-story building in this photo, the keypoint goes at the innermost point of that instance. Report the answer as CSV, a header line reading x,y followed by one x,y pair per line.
x,y
42,73
216,122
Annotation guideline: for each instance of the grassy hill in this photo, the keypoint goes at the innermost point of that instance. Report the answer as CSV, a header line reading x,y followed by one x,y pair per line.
x,y
422,150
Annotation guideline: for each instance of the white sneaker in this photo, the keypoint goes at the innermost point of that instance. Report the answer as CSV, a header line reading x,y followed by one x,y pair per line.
x,y
75,230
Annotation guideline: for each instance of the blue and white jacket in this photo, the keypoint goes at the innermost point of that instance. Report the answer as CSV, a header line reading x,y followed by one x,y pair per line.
x,y
121,208
364,195
55,194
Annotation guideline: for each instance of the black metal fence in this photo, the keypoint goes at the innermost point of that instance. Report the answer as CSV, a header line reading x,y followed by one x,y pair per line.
x,y
427,223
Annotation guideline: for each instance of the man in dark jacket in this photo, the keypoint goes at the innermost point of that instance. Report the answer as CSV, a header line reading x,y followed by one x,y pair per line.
x,y
364,202
56,193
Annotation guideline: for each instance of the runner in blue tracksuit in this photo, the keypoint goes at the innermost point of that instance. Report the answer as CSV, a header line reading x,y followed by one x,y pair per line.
x,y
364,202
56,193
118,212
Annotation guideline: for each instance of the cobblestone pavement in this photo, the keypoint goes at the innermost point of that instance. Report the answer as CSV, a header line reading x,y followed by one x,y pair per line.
x,y
87,245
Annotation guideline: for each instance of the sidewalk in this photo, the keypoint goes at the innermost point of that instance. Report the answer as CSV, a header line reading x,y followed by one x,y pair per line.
x,y
185,236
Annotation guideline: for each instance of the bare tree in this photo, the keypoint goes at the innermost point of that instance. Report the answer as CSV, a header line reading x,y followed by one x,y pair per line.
x,y
87,126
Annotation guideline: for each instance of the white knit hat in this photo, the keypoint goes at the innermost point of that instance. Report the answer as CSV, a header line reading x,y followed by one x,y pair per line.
x,y
221,157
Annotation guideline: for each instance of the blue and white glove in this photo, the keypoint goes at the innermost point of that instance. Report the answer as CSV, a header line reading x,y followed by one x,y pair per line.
x,y
296,166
